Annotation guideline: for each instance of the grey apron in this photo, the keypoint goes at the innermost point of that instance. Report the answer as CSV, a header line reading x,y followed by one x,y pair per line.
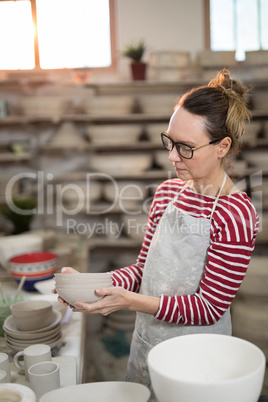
x,y
174,266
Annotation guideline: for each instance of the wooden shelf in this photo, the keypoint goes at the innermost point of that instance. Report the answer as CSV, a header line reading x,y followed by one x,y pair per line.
x,y
11,157
85,118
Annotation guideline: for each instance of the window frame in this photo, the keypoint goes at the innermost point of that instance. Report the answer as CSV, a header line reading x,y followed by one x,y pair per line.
x,y
207,32
111,68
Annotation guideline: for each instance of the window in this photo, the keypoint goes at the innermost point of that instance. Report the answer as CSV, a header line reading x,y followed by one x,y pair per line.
x,y
239,25
66,34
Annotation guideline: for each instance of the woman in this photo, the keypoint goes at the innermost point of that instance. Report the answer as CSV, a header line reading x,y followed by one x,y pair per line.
x,y
200,234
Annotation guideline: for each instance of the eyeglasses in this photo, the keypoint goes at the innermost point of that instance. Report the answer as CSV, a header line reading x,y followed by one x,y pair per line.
x,y
185,151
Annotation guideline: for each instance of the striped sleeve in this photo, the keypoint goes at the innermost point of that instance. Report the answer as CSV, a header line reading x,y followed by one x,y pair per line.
x,y
233,233
130,277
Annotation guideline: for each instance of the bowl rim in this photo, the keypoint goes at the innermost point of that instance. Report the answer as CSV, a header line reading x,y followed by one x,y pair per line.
x,y
261,366
50,257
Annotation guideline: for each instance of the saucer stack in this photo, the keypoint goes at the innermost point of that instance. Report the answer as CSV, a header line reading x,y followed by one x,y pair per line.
x,y
18,340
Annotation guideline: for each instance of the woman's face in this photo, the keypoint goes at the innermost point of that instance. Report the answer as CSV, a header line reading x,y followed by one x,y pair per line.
x,y
189,129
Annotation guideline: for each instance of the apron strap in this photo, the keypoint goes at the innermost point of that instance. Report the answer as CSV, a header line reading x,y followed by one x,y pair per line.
x,y
216,200
218,196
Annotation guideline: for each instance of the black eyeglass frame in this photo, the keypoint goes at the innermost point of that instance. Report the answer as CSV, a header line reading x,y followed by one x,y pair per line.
x,y
177,145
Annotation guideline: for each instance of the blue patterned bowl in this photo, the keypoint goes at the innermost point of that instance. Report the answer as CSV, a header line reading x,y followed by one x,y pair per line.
x,y
36,266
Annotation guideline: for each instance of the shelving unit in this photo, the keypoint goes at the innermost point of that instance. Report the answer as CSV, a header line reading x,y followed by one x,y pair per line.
x,y
35,127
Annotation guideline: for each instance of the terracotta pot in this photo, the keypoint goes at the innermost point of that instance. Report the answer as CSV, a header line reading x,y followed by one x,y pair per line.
x,y
138,70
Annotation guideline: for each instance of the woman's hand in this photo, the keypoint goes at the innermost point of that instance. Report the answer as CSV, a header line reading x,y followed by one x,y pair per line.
x,y
117,298
114,298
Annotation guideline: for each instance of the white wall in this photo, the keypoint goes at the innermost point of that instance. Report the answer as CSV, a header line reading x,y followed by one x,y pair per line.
x,y
163,24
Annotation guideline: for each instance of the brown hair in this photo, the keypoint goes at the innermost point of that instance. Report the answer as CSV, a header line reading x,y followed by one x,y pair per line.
x,y
223,104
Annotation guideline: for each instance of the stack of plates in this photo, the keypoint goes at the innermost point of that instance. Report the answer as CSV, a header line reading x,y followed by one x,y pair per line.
x,y
19,340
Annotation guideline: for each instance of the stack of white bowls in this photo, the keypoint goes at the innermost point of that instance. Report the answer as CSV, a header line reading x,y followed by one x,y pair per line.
x,y
44,106
32,322
108,105
156,104
121,164
81,287
116,134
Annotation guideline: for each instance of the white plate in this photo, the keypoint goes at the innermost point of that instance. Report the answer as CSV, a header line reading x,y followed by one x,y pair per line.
x,y
9,324
18,347
107,391
20,392
25,337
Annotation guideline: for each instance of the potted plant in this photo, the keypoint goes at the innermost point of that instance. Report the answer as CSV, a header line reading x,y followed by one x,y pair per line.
x,y
135,53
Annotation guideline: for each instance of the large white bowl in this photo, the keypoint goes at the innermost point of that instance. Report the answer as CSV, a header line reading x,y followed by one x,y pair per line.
x,y
117,134
118,164
206,367
105,391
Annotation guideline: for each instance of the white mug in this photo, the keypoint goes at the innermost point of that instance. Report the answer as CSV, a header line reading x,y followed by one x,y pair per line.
x,y
4,365
31,355
44,377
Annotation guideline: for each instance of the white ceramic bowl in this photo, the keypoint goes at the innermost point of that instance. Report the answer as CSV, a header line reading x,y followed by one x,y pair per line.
x,y
125,190
153,131
161,158
212,58
118,163
108,105
11,392
89,276
78,295
52,298
257,158
169,59
117,134
105,391
68,136
31,315
81,192
256,57
44,105
84,286
158,104
206,367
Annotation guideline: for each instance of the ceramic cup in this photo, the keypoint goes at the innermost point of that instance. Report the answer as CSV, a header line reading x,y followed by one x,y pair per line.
x,y
4,365
3,376
44,377
31,355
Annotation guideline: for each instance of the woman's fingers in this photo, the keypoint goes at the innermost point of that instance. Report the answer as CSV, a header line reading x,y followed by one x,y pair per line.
x,y
69,270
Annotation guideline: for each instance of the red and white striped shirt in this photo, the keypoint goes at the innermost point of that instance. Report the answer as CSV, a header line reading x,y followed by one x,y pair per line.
x,y
232,239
